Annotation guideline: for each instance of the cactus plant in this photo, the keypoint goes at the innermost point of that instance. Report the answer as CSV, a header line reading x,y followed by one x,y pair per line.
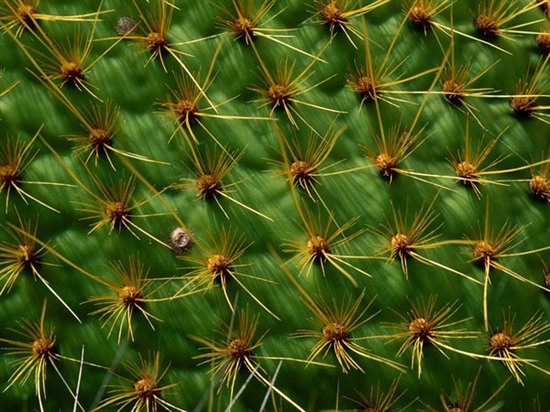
x,y
274,205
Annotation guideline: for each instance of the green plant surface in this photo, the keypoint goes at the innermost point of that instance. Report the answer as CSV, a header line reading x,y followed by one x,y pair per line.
x,y
63,206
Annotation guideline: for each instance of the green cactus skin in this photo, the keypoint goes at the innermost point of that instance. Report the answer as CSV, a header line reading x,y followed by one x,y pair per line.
x,y
287,266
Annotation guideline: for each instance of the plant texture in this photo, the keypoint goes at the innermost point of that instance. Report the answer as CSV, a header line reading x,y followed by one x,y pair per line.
x,y
274,205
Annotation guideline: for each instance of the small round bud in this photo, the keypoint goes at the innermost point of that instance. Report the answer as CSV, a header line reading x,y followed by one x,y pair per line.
x,y
180,240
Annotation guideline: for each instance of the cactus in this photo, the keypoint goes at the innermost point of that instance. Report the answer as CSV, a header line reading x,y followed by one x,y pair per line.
x,y
274,205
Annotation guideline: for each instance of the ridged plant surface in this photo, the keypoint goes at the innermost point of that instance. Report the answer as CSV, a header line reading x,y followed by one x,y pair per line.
x,y
364,205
